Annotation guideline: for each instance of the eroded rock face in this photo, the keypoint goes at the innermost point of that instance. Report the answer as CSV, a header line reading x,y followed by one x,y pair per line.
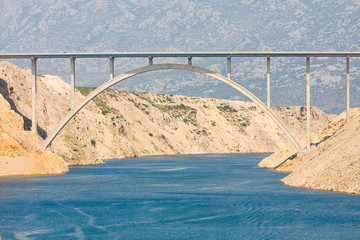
x,y
121,124
20,151
333,165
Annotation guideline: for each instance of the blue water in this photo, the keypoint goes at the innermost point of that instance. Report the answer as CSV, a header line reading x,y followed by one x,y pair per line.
x,y
173,197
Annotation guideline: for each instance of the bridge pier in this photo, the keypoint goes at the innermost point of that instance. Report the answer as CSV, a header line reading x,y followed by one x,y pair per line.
x,y
190,61
72,95
308,103
268,81
151,61
347,89
229,67
112,67
34,95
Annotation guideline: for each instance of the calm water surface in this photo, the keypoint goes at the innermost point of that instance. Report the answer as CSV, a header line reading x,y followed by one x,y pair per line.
x,y
173,197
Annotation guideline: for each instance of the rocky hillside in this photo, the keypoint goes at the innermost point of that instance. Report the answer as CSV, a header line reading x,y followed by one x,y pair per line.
x,y
122,124
20,151
333,165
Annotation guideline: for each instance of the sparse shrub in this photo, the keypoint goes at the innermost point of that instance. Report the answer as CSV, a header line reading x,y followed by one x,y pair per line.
x,y
85,90
93,142
226,108
112,95
204,132
168,99
245,124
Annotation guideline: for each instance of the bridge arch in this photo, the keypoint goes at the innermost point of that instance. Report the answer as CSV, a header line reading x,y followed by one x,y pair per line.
x,y
170,66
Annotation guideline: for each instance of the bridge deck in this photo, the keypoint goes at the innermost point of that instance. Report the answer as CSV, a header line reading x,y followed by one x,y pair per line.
x,y
177,54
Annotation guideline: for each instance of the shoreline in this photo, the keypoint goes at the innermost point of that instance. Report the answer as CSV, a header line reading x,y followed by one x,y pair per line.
x,y
16,177
160,155
333,165
119,159
320,189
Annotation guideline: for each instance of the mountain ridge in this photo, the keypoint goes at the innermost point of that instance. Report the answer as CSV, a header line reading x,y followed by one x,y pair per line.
x,y
177,26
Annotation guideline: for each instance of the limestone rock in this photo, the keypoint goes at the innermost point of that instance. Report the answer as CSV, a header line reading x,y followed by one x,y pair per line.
x,y
20,151
333,165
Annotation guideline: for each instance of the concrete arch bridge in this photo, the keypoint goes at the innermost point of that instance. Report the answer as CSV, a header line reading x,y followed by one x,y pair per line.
x,y
186,67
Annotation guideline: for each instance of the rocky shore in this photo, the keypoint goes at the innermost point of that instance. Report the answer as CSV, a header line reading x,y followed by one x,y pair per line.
x,y
333,165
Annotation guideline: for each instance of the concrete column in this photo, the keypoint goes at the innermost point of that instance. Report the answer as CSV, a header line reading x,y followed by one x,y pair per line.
x,y
347,89
190,61
112,67
72,95
308,103
34,93
229,67
150,61
268,82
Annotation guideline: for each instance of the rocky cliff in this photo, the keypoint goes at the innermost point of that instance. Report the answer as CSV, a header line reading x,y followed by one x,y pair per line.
x,y
20,151
333,165
121,124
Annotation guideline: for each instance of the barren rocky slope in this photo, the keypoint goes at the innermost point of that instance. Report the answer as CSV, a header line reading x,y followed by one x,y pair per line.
x,y
333,165
122,124
20,151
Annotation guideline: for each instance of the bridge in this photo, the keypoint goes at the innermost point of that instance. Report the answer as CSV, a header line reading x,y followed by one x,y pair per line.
x,y
186,67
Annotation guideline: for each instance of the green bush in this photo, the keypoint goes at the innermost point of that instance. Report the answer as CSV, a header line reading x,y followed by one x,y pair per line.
x,y
226,108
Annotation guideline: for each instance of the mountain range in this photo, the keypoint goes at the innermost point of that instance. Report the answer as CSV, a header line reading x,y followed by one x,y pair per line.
x,y
184,25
